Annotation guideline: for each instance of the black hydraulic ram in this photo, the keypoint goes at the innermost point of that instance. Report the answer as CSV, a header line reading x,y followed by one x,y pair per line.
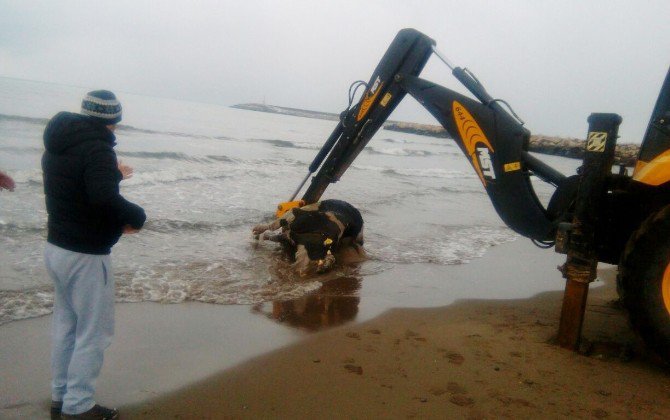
x,y
318,159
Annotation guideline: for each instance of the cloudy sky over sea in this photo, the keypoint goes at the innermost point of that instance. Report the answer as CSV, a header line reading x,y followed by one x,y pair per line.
x,y
554,61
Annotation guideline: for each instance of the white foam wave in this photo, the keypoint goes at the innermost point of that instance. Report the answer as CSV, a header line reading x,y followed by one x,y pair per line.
x,y
432,173
173,175
16,305
208,283
245,280
398,151
30,176
419,172
459,246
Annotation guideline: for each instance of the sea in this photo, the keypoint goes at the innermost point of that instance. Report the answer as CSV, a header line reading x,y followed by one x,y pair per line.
x,y
207,173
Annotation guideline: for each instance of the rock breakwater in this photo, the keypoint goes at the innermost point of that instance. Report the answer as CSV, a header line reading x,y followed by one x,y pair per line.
x,y
625,154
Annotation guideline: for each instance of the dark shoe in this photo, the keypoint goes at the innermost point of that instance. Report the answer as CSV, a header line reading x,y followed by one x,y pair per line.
x,y
98,412
56,407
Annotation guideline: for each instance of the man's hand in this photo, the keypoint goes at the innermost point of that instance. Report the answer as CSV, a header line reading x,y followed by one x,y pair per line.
x,y
129,230
6,182
126,171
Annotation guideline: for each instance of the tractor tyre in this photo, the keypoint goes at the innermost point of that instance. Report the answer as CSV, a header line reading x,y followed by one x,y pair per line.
x,y
644,281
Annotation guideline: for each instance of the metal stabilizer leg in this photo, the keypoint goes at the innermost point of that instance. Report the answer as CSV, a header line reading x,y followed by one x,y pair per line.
x,y
582,261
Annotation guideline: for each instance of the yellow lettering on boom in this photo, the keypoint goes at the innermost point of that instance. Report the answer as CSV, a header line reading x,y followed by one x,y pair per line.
x,y
471,135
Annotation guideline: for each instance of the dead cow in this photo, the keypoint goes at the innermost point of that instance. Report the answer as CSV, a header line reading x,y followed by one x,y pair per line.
x,y
316,232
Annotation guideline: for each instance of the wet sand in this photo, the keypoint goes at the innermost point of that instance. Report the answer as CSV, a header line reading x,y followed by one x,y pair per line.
x,y
156,349
474,358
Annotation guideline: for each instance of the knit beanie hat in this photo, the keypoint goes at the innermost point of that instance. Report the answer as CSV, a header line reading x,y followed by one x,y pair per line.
x,y
102,106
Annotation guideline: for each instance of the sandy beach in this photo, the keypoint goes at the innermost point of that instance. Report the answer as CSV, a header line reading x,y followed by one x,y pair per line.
x,y
474,359
471,359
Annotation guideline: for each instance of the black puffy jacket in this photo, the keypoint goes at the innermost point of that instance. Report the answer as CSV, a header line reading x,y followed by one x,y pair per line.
x,y
81,186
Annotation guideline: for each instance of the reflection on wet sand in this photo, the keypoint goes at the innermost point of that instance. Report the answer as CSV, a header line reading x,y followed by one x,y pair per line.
x,y
335,303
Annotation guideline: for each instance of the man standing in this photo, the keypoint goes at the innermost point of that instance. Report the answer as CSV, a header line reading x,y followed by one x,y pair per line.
x,y
87,216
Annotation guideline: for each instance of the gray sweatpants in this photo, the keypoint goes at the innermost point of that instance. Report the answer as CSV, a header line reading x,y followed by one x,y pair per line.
x,y
83,324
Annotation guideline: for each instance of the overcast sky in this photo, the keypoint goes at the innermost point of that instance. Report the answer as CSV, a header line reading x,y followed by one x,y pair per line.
x,y
554,61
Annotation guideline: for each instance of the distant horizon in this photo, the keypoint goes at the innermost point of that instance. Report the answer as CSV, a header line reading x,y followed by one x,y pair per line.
x,y
434,124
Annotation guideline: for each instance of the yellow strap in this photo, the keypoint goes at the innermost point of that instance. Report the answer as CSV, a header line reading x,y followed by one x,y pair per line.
x,y
288,205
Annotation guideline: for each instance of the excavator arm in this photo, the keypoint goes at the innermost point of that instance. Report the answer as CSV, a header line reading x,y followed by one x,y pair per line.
x,y
407,54
493,140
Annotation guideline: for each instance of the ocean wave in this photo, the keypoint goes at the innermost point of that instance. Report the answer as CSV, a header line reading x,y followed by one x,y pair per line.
x,y
462,189
13,230
399,152
458,245
393,199
173,225
205,171
282,163
429,173
423,193
131,129
173,176
29,120
22,150
230,282
418,172
16,305
159,155
120,127
31,176
286,144
176,156
394,141
221,158
244,279
207,283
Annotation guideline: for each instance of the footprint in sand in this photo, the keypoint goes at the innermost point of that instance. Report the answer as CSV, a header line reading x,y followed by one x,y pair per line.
x,y
452,387
410,334
462,400
437,391
354,369
456,389
599,413
455,358
452,356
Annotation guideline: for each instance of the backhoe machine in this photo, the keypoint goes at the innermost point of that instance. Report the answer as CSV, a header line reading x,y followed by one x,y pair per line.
x,y
594,215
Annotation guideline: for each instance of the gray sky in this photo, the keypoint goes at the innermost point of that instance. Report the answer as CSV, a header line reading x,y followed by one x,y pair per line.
x,y
554,61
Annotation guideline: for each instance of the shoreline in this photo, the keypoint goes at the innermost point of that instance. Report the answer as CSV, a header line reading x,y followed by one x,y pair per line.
x,y
244,361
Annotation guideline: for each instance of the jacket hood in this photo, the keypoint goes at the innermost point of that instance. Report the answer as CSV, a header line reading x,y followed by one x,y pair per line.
x,y
67,129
